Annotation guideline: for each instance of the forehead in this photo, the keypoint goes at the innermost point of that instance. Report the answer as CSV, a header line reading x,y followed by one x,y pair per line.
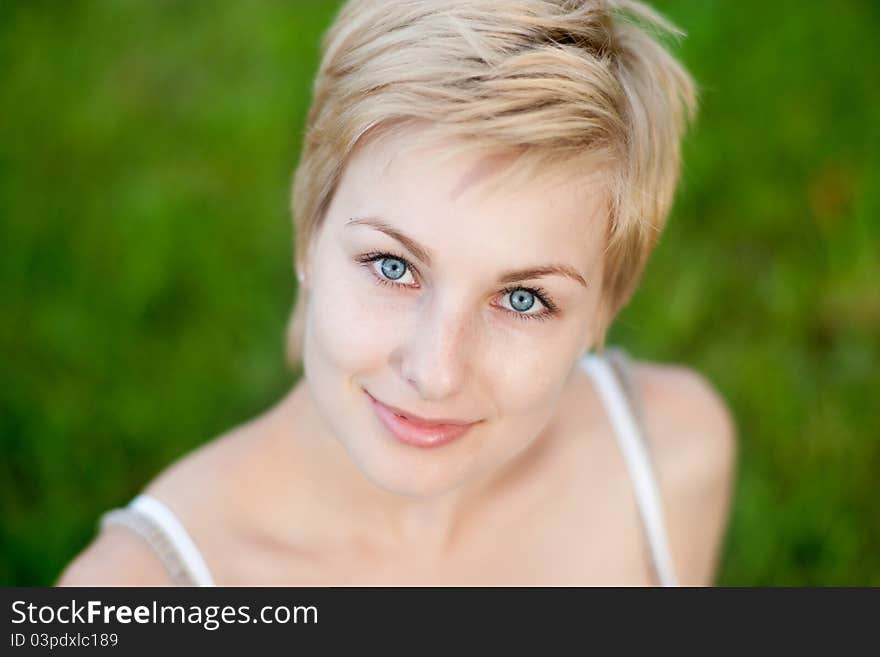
x,y
467,201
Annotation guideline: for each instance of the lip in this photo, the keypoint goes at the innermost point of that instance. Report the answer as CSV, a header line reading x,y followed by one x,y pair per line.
x,y
416,431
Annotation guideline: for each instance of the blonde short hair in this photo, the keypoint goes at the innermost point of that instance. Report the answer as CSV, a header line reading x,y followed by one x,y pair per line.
x,y
563,83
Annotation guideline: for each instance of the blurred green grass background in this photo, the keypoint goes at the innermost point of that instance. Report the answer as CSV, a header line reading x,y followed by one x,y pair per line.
x,y
146,153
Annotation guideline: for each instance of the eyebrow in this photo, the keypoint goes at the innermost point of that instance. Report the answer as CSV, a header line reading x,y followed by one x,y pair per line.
x,y
424,254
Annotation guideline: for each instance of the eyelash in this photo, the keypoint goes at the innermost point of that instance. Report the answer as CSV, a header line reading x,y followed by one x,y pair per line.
x,y
551,308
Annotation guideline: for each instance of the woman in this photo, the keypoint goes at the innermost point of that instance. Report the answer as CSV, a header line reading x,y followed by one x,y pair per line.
x,y
481,185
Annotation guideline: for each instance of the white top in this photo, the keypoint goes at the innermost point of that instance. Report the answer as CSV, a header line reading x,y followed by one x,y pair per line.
x,y
162,529
632,444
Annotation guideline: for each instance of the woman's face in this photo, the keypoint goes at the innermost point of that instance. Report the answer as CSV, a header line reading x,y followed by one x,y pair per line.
x,y
415,302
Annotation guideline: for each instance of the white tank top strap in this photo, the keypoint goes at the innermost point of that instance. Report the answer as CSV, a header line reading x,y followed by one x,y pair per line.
x,y
162,530
611,376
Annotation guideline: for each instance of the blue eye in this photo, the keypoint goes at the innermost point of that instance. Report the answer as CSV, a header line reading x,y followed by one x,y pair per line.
x,y
522,300
393,268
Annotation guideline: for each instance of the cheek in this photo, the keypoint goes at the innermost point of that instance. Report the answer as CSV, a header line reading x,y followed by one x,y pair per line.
x,y
348,321
528,387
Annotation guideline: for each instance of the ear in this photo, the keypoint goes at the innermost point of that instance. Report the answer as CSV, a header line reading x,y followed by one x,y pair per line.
x,y
301,275
587,343
303,269
595,328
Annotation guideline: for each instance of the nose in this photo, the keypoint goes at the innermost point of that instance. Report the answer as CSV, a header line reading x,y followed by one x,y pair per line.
x,y
435,357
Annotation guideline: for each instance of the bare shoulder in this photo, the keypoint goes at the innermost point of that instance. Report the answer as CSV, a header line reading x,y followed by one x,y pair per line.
x,y
198,488
692,437
189,488
210,490
117,557
686,413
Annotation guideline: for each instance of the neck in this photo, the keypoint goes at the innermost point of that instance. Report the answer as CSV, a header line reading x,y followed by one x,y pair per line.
x,y
352,507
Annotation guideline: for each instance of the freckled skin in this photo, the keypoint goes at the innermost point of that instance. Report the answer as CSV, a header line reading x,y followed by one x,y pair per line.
x,y
449,346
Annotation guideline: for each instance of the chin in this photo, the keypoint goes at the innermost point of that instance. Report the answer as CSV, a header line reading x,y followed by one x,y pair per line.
x,y
411,472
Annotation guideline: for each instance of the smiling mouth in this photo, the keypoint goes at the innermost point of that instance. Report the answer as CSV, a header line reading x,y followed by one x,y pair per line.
x,y
415,419
413,432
